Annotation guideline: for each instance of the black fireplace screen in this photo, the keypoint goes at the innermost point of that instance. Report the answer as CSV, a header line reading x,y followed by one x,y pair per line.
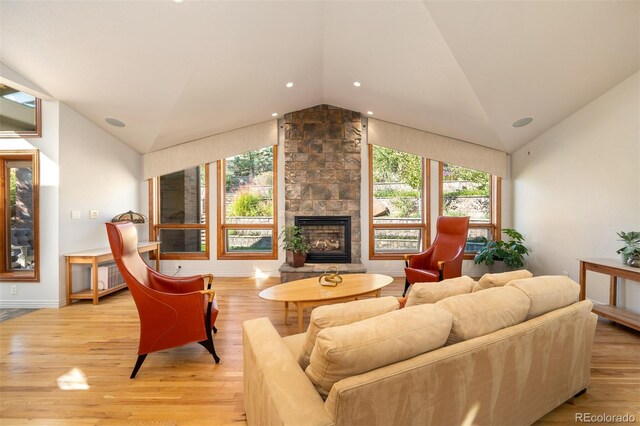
x,y
329,236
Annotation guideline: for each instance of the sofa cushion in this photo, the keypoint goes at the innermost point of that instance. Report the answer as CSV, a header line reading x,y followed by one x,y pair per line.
x,y
499,280
422,293
481,313
362,346
340,314
547,293
294,343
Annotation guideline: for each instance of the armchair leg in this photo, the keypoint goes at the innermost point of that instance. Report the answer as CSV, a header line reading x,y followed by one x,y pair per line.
x,y
208,345
215,330
138,365
209,342
406,287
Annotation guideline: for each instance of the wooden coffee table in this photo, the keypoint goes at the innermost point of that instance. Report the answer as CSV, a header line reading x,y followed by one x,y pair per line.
x,y
309,293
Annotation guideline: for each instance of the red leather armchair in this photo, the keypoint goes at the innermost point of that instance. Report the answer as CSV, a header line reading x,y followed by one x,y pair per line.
x,y
173,311
444,258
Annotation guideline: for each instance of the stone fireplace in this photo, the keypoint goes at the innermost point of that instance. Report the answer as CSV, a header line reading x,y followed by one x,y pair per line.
x,y
322,177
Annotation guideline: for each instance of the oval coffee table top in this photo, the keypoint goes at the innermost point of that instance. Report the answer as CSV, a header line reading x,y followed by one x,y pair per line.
x,y
309,289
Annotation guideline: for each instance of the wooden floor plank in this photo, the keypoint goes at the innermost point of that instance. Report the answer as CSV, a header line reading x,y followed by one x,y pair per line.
x,y
183,385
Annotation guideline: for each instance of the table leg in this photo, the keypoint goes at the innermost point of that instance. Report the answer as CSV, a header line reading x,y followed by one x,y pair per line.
x,y
94,280
286,312
613,290
583,281
378,292
157,253
300,317
69,283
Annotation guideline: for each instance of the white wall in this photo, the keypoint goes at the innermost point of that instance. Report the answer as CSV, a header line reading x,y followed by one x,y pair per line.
x,y
577,184
97,172
44,293
81,168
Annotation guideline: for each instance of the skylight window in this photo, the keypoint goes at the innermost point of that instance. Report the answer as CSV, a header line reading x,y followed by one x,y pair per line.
x,y
21,98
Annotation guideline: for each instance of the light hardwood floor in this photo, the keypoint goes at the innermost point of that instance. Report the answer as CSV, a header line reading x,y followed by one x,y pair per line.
x,y
183,385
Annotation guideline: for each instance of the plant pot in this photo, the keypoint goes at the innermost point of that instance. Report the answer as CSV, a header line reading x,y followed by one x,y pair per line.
x,y
634,261
499,266
625,258
295,259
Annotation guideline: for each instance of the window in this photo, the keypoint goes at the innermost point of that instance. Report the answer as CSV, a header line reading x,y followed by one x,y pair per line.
x,y
178,213
398,203
247,224
467,192
19,235
20,114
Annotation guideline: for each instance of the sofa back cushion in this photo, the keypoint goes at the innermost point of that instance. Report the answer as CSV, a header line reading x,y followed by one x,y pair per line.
x,y
500,279
340,314
362,346
547,293
481,313
422,293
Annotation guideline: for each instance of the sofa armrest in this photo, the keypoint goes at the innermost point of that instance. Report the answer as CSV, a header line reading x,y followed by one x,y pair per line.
x,y
276,390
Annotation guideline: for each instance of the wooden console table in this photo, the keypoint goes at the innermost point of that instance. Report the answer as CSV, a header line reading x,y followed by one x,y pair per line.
x,y
614,269
93,258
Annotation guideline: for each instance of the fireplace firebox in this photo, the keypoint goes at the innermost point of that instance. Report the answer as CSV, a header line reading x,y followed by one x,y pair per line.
x,y
329,236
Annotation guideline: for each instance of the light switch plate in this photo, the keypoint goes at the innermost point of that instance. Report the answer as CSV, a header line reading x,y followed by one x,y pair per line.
x,y
93,214
75,214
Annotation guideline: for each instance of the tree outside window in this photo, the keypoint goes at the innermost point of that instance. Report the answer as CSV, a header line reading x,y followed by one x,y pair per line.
x,y
247,225
398,208
468,192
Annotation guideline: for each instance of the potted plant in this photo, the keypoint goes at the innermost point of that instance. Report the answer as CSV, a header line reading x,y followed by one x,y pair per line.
x,y
510,252
296,245
631,245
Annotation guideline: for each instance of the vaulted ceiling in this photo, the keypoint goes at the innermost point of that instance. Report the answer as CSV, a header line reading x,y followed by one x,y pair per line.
x,y
175,72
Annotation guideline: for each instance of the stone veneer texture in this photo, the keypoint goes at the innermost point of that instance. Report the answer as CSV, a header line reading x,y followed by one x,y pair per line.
x,y
322,166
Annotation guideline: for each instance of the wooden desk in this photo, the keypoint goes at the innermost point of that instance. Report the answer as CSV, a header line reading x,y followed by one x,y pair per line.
x,y
309,293
93,258
615,269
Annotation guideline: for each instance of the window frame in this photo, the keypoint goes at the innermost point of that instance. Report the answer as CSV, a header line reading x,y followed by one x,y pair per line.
x,y
222,226
424,226
155,226
37,133
495,207
34,274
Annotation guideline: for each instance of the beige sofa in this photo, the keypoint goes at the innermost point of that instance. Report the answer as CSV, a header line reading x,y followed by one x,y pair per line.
x,y
511,376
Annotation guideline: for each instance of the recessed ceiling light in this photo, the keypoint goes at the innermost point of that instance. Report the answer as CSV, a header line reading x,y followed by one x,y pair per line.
x,y
370,112
275,114
115,122
522,122
178,1
289,84
357,83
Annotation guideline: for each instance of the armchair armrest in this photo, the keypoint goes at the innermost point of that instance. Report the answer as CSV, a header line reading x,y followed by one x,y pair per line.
x,y
444,266
209,278
211,294
419,260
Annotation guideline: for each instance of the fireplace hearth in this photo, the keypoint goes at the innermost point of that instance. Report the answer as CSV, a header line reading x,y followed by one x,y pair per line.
x,y
329,236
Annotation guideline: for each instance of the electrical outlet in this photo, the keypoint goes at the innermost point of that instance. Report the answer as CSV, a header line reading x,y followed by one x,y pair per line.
x,y
93,214
14,289
75,214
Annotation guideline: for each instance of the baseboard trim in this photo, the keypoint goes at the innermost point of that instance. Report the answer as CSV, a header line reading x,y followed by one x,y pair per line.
x,y
31,304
